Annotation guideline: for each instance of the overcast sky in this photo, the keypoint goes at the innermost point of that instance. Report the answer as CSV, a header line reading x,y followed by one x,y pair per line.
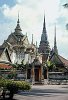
x,y
31,14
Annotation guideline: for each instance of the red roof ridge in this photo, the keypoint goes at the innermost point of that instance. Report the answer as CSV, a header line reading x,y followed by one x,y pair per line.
x,y
63,57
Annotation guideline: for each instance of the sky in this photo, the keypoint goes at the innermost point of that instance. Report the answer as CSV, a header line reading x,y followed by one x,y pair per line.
x,y
31,14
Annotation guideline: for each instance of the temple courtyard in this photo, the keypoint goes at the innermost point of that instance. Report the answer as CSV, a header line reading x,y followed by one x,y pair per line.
x,y
44,92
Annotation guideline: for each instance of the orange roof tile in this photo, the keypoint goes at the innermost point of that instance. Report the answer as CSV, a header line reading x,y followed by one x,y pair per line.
x,y
5,66
65,61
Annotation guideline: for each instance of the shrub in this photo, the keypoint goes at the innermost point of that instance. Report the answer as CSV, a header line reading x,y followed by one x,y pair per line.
x,y
13,86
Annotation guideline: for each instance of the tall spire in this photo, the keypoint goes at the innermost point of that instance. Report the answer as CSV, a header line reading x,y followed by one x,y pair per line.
x,y
44,33
44,47
18,19
36,49
55,45
55,37
32,38
44,25
18,29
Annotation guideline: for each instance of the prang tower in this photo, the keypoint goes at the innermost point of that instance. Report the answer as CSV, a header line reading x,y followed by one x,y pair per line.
x,y
44,47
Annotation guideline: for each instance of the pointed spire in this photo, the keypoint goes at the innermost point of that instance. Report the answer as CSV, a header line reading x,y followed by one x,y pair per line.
x,y
55,37
32,38
44,25
44,33
44,21
55,45
18,19
18,29
36,49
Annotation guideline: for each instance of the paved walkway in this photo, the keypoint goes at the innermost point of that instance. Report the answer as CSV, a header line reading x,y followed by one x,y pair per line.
x,y
45,92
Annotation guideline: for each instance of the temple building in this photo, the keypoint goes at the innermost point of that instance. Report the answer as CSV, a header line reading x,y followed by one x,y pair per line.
x,y
19,47
60,63
16,48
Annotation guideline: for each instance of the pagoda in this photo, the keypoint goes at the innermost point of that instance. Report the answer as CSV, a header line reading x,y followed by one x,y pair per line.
x,y
44,47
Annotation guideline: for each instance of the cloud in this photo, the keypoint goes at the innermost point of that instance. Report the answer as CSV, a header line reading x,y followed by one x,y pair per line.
x,y
33,8
31,18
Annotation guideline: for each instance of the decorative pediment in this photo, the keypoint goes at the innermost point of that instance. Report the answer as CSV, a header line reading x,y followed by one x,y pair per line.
x,y
4,55
55,58
25,41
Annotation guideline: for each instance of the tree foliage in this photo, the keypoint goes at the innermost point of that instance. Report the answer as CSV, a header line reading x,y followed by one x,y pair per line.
x,y
50,65
13,86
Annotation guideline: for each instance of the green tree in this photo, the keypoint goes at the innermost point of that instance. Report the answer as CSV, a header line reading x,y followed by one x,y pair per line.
x,y
13,87
51,66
